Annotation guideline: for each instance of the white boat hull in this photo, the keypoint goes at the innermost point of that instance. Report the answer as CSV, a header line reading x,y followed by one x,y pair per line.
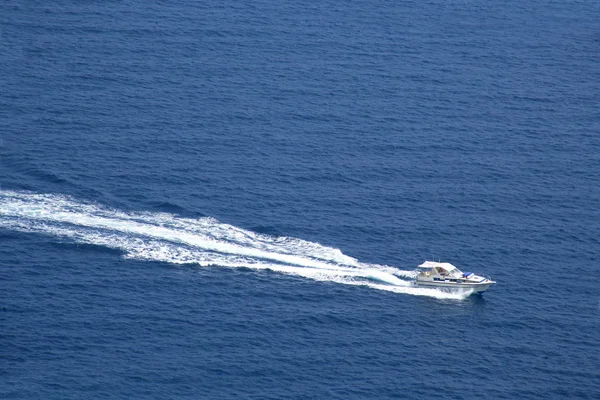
x,y
476,287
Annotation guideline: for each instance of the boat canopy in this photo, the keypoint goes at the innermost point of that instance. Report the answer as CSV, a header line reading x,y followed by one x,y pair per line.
x,y
432,264
444,269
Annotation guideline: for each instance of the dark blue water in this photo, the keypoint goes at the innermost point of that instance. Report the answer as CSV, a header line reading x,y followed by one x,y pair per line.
x,y
177,179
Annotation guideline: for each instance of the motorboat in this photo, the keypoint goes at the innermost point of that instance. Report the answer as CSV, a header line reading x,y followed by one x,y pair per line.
x,y
446,275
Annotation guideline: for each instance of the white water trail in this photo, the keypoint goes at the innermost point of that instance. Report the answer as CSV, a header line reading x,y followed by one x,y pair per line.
x,y
205,242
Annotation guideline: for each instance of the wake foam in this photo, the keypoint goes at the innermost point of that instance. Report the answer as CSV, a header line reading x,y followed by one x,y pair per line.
x,y
205,242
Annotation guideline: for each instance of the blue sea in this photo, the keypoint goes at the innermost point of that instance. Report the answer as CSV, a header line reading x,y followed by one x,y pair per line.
x,y
228,200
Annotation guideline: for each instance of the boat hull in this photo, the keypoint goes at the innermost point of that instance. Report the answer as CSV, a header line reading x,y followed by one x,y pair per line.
x,y
476,287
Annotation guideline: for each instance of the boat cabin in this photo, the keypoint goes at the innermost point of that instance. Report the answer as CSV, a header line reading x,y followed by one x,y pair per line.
x,y
439,271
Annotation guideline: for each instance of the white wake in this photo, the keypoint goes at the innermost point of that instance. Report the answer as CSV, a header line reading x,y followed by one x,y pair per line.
x,y
205,242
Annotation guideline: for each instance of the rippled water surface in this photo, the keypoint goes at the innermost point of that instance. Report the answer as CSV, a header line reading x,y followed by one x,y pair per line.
x,y
228,200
